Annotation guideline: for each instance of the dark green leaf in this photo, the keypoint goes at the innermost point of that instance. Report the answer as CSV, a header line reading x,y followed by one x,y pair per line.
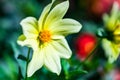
x,y
75,73
22,57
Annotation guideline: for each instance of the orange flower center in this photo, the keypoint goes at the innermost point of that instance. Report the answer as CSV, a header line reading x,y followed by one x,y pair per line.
x,y
45,36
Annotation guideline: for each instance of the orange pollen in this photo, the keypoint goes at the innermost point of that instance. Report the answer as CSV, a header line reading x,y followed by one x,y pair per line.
x,y
45,36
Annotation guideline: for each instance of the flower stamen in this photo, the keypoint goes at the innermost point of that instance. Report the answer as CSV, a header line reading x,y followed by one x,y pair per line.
x,y
45,36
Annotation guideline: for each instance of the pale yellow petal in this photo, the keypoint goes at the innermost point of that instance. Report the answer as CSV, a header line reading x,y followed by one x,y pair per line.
x,y
30,27
36,63
23,41
56,37
56,13
52,60
44,15
62,48
65,27
111,50
110,20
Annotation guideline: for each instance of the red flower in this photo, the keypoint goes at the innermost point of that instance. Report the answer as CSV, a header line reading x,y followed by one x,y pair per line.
x,y
117,74
118,1
84,44
99,7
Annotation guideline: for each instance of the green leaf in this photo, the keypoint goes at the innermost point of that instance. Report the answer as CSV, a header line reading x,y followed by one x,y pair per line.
x,y
22,57
66,66
75,73
101,33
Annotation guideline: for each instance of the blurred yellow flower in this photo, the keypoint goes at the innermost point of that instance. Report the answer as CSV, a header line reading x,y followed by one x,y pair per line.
x,y
111,49
116,33
112,19
112,26
47,37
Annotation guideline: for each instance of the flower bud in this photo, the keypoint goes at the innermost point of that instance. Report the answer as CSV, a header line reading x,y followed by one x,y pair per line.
x,y
84,45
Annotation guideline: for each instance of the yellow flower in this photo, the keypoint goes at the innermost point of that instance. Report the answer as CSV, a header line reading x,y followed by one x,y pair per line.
x,y
112,41
112,19
111,49
116,33
47,37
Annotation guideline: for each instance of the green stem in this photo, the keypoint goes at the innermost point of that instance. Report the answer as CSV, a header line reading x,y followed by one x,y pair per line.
x,y
27,63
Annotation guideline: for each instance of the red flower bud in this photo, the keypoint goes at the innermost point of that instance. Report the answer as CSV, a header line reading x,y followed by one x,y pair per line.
x,y
84,44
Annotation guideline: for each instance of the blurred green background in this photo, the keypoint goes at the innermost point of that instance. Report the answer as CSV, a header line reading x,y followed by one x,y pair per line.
x,y
87,12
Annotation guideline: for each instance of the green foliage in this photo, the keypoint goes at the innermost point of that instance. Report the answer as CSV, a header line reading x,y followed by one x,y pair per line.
x,y
13,57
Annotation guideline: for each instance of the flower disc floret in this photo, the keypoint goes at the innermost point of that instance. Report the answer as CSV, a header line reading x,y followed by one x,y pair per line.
x,y
45,36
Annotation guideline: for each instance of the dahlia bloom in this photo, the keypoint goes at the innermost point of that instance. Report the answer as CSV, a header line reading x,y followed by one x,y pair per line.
x,y
46,37
111,43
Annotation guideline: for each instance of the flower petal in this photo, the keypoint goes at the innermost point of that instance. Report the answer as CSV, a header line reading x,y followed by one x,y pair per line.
x,y
111,50
30,27
36,62
44,15
65,27
62,48
52,60
23,41
56,13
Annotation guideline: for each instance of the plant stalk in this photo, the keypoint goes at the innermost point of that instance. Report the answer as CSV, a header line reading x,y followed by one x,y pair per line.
x,y
27,62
